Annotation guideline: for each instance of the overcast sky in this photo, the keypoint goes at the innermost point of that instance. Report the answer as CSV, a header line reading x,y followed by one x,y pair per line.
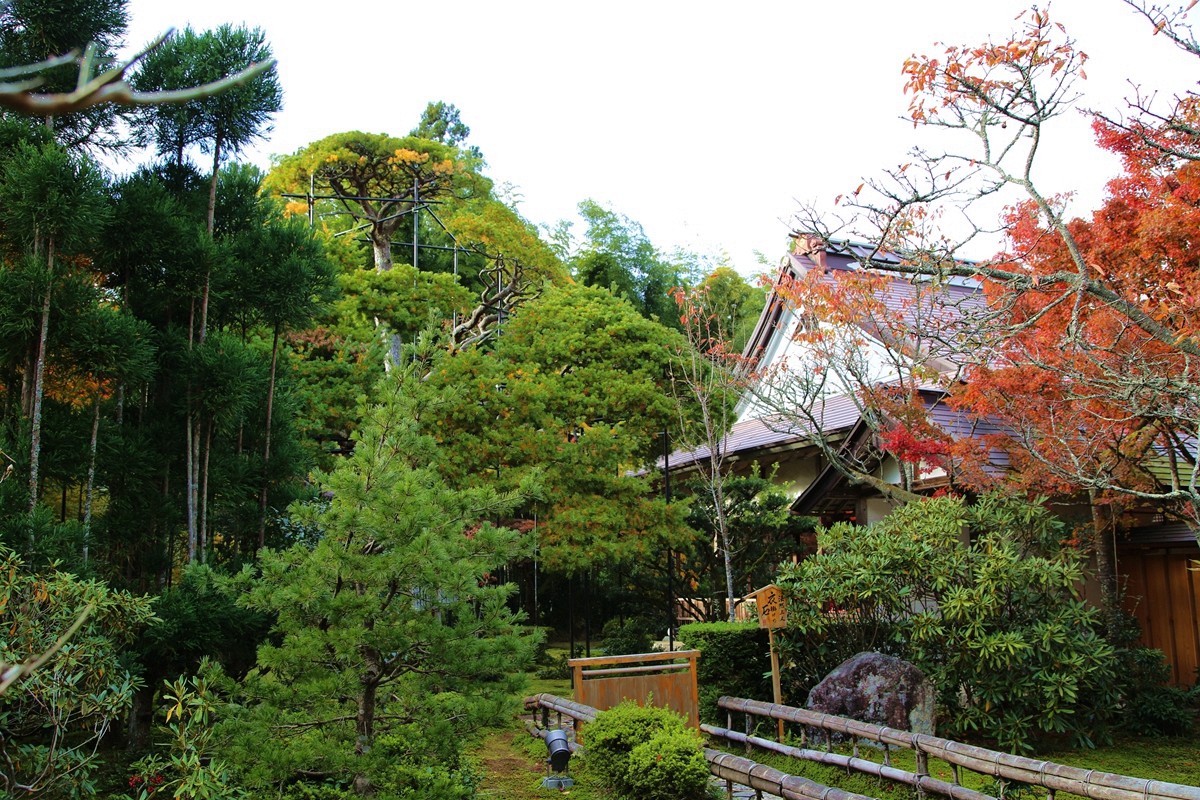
x,y
703,121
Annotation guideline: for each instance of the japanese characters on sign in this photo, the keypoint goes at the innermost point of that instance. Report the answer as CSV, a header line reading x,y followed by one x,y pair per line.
x,y
772,608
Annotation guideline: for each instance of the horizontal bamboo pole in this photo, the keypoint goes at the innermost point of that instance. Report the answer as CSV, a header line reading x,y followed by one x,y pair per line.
x,y
723,765
562,705
925,782
592,673
768,779
635,658
1059,777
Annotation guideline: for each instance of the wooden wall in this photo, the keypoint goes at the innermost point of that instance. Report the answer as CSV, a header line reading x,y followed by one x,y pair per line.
x,y
661,679
1162,589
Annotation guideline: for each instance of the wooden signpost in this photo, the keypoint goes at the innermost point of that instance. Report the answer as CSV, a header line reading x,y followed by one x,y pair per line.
x,y
772,614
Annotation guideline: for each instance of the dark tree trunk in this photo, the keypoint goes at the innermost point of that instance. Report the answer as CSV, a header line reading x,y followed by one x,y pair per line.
x,y
203,526
1103,523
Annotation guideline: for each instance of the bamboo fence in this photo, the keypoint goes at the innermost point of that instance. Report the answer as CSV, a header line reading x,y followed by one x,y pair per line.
x,y
1053,777
732,768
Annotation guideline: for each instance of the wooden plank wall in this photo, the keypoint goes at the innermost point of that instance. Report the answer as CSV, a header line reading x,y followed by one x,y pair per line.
x,y
662,679
1162,589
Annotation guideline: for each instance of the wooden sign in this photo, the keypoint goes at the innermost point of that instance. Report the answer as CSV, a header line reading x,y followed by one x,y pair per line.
x,y
772,614
772,608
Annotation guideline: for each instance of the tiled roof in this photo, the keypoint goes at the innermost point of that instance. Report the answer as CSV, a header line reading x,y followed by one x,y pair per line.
x,y
765,433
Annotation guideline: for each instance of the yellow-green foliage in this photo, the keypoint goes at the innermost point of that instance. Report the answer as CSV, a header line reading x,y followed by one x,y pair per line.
x,y
644,751
55,716
670,765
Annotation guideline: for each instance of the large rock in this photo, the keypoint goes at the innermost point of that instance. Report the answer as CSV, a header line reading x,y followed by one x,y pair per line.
x,y
873,687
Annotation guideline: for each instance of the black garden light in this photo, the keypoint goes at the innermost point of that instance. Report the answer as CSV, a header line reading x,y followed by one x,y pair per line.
x,y
559,756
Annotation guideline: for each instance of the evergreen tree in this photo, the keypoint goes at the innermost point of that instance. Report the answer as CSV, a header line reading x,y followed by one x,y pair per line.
x,y
32,31
392,638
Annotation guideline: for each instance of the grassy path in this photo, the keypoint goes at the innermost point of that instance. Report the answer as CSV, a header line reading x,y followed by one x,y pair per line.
x,y
509,770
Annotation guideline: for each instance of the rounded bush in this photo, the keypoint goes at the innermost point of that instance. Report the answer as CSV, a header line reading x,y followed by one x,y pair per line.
x,y
631,636
609,741
669,766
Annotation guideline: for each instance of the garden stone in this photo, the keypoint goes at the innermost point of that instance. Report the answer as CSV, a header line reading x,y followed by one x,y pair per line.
x,y
877,688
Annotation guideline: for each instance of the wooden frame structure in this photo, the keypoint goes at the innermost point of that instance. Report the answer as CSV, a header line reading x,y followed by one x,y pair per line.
x,y
661,679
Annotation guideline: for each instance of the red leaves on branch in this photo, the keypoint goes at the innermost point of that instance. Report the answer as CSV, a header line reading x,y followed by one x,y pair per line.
x,y
993,75
911,449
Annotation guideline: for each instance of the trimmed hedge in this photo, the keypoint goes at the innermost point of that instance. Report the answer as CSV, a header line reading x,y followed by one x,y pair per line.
x,y
617,732
735,659
669,766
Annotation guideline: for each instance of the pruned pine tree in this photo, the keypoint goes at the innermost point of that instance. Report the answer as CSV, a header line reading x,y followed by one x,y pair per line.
x,y
393,637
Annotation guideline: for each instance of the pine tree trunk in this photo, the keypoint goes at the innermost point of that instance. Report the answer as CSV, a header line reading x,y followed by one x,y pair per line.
x,y
212,185
381,249
199,497
364,722
39,376
211,222
190,449
190,483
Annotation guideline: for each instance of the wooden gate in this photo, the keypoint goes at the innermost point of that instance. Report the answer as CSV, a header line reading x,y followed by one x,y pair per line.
x,y
662,679
1162,589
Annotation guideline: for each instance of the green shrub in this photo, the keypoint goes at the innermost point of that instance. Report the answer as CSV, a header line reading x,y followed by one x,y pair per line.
x,y
669,766
557,667
610,740
624,638
997,623
53,719
735,660
185,767
1150,707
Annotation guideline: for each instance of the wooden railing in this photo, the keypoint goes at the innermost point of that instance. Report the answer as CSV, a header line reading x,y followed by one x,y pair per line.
x,y
1003,766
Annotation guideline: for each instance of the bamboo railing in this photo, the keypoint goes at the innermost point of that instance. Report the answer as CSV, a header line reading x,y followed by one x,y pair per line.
x,y
733,769
736,769
1005,766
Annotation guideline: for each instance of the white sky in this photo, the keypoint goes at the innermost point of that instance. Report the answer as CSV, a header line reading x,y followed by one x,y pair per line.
x,y
703,121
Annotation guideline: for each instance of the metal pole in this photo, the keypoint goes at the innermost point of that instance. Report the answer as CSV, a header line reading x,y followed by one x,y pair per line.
x,y
311,199
416,220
